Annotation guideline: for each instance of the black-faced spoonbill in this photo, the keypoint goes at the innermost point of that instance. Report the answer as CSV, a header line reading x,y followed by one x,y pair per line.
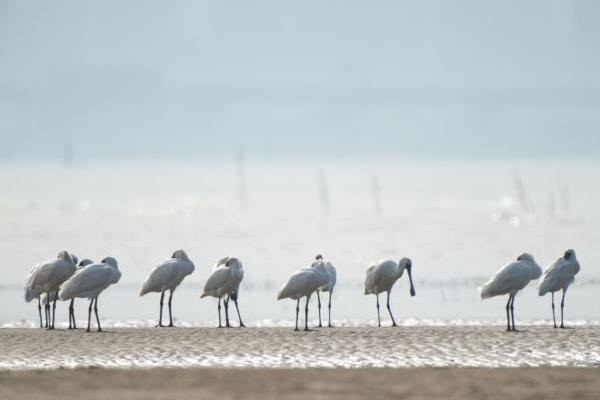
x,y
509,279
47,277
326,288
225,280
382,275
302,284
167,276
557,277
89,283
82,264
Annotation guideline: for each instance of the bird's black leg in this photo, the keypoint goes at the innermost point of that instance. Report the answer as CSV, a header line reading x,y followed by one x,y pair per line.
x,y
72,315
390,310
219,309
40,312
512,311
297,312
378,318
306,314
329,310
89,315
53,308
508,313
235,299
553,314
226,303
319,305
162,299
562,307
170,312
97,318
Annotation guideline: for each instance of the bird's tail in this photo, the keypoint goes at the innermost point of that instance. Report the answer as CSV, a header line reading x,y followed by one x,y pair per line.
x,y
486,291
65,293
544,287
30,294
281,294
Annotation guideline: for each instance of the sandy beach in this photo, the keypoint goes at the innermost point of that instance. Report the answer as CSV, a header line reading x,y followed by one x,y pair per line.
x,y
277,363
264,384
435,346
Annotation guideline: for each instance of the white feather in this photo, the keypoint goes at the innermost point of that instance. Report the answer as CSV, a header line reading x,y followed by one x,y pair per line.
x,y
512,277
304,282
225,278
91,280
559,275
168,274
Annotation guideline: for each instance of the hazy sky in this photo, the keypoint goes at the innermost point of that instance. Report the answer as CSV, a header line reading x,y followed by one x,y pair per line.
x,y
204,79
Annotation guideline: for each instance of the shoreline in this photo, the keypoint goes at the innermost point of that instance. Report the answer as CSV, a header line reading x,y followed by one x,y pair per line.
x,y
282,348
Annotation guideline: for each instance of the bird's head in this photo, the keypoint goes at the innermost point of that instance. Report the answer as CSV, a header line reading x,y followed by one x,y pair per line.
x,y
64,255
569,255
233,262
406,264
319,257
84,262
110,261
525,257
180,254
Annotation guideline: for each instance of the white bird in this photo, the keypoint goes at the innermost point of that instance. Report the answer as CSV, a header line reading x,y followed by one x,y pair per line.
x,y
557,277
509,279
54,295
326,288
90,282
302,284
382,275
225,281
46,277
167,276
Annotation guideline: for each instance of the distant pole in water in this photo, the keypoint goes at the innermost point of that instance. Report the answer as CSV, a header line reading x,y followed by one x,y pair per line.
x,y
67,156
242,188
376,193
520,188
550,205
323,192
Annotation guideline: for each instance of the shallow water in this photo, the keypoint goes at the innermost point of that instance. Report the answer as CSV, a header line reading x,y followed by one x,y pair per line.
x,y
459,222
283,348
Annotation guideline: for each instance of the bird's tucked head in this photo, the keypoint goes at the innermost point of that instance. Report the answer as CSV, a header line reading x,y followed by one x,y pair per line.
x,y
319,257
525,257
64,255
233,262
84,262
110,261
569,255
180,254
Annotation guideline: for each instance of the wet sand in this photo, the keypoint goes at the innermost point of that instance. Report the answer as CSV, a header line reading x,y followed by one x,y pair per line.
x,y
440,346
265,384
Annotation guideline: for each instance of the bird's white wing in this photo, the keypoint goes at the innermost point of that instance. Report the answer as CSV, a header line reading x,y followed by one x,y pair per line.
x,y
299,283
89,279
217,282
557,276
514,275
42,274
160,276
